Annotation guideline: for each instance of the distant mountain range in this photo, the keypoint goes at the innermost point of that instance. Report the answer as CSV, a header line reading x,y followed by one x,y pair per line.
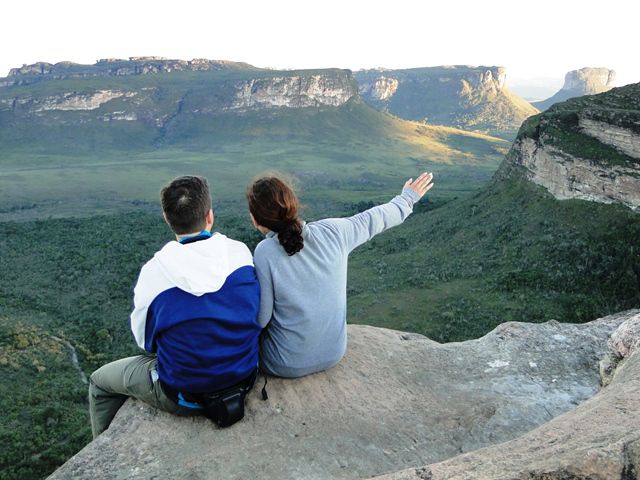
x,y
554,235
156,93
81,141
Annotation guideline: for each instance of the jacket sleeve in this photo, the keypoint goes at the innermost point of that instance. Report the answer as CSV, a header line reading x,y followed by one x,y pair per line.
x,y
358,229
263,272
141,300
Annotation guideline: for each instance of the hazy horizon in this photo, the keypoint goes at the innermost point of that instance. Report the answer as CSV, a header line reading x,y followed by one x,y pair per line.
x,y
530,43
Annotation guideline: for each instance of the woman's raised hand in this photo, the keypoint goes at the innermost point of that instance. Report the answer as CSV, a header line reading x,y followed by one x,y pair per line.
x,y
420,185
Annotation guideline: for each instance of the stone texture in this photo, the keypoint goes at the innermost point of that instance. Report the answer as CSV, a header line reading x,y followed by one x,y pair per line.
x,y
566,176
599,440
396,400
625,140
622,343
293,92
74,101
589,81
381,89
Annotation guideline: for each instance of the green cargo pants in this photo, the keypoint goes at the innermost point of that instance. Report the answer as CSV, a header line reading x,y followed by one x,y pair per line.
x,y
113,383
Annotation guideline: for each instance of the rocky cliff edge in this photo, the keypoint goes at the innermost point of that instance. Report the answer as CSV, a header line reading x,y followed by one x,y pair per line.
x,y
599,440
400,400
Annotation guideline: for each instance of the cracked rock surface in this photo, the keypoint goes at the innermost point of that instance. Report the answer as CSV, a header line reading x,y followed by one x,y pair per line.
x,y
599,440
396,401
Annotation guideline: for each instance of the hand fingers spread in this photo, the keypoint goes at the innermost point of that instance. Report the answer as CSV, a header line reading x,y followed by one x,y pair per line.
x,y
424,179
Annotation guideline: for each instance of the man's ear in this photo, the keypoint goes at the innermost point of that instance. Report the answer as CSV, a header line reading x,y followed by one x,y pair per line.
x,y
253,220
164,215
210,217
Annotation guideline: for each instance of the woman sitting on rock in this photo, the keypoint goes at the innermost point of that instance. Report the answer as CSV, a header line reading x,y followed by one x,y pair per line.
x,y
302,270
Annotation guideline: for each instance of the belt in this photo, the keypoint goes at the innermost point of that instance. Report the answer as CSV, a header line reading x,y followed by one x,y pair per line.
x,y
225,407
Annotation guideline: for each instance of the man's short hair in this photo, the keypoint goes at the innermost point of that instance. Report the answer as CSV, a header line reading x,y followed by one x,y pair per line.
x,y
185,203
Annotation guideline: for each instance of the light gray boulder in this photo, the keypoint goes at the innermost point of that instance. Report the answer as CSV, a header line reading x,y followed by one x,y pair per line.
x,y
599,440
397,400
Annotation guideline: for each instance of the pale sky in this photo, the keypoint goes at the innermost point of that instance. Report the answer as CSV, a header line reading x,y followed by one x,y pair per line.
x,y
532,39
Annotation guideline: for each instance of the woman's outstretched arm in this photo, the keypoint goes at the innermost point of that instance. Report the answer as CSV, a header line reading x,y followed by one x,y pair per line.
x,y
358,229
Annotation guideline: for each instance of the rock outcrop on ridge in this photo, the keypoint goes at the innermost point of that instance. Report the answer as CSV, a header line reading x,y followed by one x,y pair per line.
x,y
586,148
586,81
397,400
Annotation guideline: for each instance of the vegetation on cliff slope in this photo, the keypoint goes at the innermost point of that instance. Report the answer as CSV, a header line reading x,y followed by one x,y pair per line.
x,y
559,125
510,252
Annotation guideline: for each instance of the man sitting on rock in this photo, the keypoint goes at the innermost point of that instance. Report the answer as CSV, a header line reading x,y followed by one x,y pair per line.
x,y
195,313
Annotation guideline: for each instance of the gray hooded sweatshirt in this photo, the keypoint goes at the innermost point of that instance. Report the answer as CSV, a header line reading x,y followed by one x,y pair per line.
x,y
304,296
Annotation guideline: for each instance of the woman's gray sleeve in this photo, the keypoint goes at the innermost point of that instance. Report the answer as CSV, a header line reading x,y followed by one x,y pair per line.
x,y
362,227
263,273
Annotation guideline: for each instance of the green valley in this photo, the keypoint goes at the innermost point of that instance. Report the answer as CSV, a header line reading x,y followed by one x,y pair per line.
x,y
83,156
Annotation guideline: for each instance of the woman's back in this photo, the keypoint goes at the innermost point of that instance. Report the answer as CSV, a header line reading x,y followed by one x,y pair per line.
x,y
307,330
304,296
302,271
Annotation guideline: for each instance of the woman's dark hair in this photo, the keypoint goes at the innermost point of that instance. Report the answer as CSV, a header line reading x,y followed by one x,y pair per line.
x,y
185,203
274,205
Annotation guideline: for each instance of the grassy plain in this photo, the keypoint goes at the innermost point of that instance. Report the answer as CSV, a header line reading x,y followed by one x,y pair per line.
x,y
340,156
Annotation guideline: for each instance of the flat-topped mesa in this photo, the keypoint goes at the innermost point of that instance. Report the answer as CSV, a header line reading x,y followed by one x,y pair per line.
x,y
455,95
585,148
249,90
590,81
585,81
28,74
382,84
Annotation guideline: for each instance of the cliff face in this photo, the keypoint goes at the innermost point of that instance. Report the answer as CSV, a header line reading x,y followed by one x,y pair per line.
x,y
589,81
172,103
69,101
586,148
467,97
586,81
396,400
292,92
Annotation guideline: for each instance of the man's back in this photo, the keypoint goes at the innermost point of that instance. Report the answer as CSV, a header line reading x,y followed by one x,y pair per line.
x,y
195,314
196,306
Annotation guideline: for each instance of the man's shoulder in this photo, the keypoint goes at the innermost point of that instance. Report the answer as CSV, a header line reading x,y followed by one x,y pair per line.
x,y
235,249
152,264
230,241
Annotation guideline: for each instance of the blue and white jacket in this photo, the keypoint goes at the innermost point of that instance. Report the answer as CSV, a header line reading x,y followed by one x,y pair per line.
x,y
196,306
